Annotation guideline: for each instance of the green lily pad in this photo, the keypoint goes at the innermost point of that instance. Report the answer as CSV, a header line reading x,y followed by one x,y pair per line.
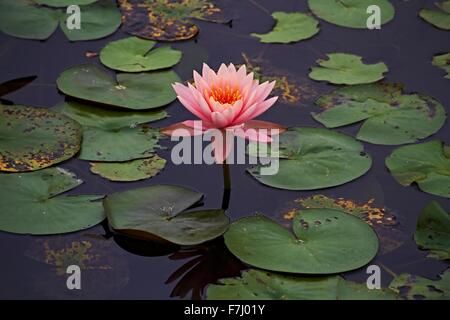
x,y
443,61
159,212
438,18
350,13
131,91
35,138
26,19
413,287
427,164
389,116
137,55
290,27
131,170
343,68
31,203
63,3
262,285
433,231
314,158
323,242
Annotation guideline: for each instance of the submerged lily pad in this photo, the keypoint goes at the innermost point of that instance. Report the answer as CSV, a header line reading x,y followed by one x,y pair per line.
x,y
137,55
131,91
389,116
158,212
438,18
350,13
313,158
131,170
31,203
167,20
413,287
433,231
262,285
323,242
343,68
26,19
290,27
427,164
443,61
35,138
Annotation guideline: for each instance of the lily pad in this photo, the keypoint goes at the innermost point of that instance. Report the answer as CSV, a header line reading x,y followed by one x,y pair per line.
x,y
343,68
323,242
129,171
433,231
438,18
427,164
158,212
413,287
131,91
63,3
167,20
31,203
314,158
137,55
350,13
262,285
389,116
290,27
29,20
35,138
443,61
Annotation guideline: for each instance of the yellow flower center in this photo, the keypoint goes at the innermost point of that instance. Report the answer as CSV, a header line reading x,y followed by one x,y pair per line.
x,y
226,95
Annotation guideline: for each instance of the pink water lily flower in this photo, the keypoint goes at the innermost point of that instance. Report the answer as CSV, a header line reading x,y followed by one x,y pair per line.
x,y
228,100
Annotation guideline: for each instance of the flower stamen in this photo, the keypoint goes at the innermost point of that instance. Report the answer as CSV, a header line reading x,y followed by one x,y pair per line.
x,y
225,95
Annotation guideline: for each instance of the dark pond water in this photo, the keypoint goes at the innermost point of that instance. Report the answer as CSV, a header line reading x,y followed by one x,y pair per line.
x,y
120,268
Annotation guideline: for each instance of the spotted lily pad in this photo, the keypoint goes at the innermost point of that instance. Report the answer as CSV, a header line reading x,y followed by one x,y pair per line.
x,y
159,212
313,158
35,138
443,61
438,18
137,55
29,20
433,231
167,20
262,285
290,27
350,13
131,91
131,170
413,287
323,242
343,68
389,116
114,135
427,164
31,203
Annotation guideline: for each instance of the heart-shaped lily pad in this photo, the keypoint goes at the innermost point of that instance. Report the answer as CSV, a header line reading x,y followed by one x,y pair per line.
x,y
131,170
438,18
31,203
313,158
132,91
136,55
35,138
350,13
29,20
343,68
159,212
443,61
433,231
290,27
323,242
389,116
427,164
262,285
